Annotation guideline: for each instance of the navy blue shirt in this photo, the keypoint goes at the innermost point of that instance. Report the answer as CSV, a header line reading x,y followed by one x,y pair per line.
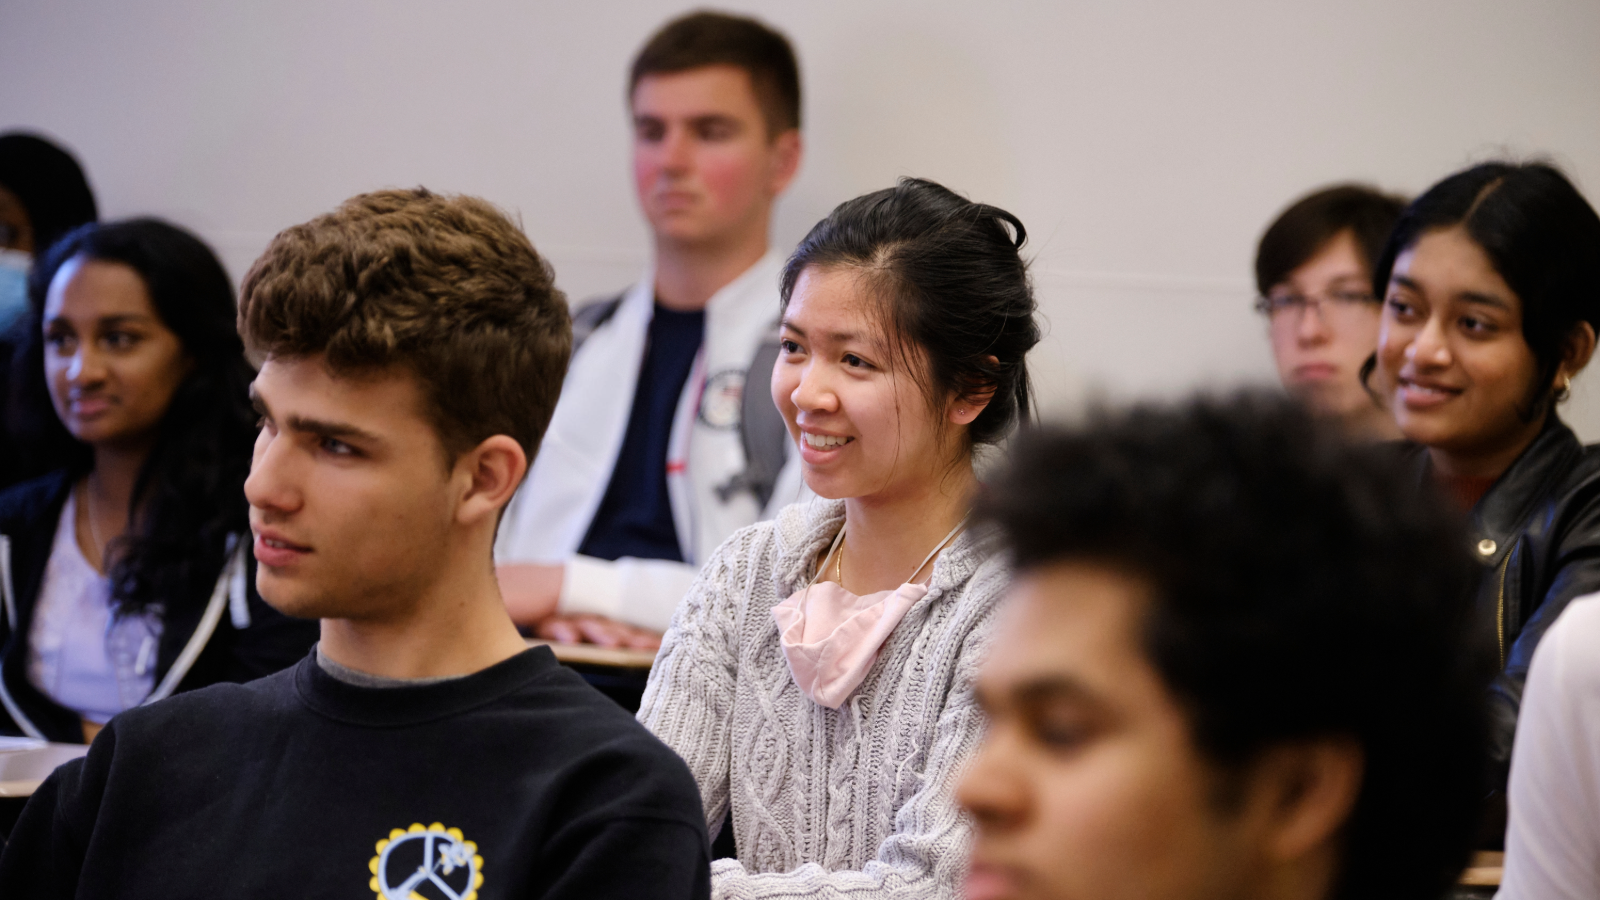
x,y
635,517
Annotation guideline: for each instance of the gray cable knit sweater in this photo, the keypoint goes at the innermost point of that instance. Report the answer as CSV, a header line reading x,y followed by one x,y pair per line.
x,y
854,802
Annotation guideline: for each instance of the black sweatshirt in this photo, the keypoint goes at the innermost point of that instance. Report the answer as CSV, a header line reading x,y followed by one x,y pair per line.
x,y
521,778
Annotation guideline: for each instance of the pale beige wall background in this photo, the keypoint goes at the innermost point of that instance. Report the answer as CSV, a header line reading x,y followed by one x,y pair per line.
x,y
1145,143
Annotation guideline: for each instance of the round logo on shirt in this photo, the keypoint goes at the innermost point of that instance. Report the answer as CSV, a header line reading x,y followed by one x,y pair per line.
x,y
721,400
409,859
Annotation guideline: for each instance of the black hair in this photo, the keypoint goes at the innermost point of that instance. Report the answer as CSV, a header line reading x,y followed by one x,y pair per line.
x,y
707,38
1301,231
953,282
189,496
49,183
1541,236
1301,588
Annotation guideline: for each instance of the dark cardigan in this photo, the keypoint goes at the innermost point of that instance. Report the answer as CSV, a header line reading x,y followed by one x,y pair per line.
x,y
29,513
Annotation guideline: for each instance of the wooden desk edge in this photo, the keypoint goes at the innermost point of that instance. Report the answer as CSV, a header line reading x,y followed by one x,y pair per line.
x,y
591,655
19,789
1484,870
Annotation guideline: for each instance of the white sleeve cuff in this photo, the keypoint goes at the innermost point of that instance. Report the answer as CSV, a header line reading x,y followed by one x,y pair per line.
x,y
590,585
642,592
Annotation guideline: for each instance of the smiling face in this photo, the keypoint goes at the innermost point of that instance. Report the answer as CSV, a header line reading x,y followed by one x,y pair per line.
x,y
111,364
351,501
862,424
705,169
1319,349
1088,785
1452,356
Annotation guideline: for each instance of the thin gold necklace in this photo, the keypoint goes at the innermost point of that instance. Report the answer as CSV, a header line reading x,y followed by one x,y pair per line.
x,y
838,561
94,533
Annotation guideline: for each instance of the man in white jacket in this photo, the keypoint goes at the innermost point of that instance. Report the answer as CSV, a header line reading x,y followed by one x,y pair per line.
x,y
656,452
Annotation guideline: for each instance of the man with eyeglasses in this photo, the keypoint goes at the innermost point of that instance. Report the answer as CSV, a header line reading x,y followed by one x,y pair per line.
x,y
1314,272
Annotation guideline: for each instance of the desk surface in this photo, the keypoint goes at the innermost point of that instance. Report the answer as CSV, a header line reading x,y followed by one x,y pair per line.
x,y
593,655
23,770
1484,870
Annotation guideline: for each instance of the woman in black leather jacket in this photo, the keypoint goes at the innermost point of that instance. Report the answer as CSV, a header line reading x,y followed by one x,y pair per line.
x,y
1491,286
125,574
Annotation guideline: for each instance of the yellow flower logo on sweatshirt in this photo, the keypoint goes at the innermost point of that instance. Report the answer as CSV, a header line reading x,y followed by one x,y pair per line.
x,y
423,862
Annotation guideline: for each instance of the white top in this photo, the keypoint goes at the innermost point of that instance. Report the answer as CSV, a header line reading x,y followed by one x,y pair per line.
x,y
826,803
1553,839
549,516
80,655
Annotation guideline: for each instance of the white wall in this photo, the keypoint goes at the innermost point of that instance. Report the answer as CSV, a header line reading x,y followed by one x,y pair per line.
x,y
1145,144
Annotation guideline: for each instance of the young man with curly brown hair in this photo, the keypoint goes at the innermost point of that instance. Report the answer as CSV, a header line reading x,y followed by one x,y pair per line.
x,y
413,349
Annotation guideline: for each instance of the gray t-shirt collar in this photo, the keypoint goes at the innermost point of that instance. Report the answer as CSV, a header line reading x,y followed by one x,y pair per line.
x,y
363,679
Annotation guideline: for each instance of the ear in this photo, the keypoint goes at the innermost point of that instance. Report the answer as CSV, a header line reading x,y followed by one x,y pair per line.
x,y
491,472
1305,792
965,410
1576,350
787,148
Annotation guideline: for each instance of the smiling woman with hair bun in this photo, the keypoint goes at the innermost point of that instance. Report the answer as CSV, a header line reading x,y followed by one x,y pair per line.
x,y
818,676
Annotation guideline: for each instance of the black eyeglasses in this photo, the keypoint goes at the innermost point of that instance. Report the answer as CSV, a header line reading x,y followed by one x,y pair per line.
x,y
1288,304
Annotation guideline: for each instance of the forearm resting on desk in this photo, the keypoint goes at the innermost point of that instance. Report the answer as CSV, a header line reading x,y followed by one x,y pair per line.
x,y
530,591
639,592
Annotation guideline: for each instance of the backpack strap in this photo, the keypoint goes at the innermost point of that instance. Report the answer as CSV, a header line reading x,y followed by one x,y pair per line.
x,y
590,316
761,429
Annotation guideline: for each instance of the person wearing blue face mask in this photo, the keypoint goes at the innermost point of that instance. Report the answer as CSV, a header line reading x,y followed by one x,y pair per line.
x,y
43,195
13,286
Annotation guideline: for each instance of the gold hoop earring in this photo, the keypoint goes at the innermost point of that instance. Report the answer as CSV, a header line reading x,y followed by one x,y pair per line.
x,y
1564,393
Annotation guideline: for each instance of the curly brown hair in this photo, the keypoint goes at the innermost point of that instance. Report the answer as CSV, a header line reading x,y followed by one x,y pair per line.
x,y
445,286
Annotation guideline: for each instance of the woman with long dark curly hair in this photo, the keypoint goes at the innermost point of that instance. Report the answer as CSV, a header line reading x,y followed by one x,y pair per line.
x,y
125,572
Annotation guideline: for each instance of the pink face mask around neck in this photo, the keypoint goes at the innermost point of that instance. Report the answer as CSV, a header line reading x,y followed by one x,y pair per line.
x,y
831,637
